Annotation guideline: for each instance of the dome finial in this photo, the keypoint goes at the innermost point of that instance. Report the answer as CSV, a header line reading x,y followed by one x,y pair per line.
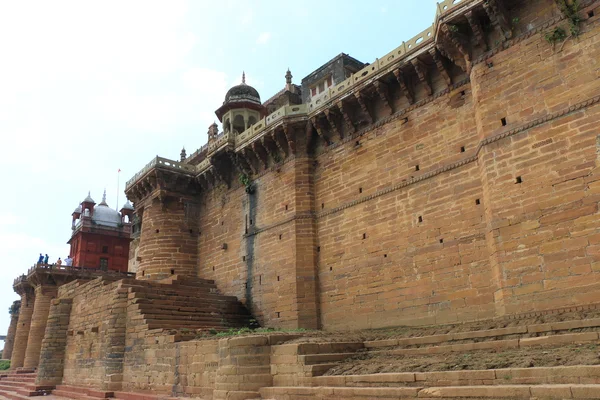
x,y
183,154
244,77
104,196
288,76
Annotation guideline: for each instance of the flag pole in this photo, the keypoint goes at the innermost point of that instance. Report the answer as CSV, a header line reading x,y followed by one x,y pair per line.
x,y
118,176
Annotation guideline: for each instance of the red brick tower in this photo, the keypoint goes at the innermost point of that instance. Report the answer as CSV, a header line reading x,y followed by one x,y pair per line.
x,y
101,235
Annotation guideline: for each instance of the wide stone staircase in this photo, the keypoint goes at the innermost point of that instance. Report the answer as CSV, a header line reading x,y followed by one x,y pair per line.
x,y
20,384
185,303
520,360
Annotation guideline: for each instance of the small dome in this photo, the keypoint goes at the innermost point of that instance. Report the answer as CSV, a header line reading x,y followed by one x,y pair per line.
x,y
242,92
127,206
88,199
104,215
78,210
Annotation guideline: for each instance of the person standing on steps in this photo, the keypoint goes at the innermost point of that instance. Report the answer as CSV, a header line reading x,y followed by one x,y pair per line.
x,y
41,259
68,261
59,261
46,259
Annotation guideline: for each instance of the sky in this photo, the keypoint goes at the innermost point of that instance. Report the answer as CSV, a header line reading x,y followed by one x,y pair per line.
x,y
88,88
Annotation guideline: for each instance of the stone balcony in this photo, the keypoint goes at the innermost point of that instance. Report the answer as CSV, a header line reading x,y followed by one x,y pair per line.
x,y
62,273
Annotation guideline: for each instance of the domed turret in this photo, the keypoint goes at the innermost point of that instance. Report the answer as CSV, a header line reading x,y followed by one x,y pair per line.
x,y
104,215
241,109
242,93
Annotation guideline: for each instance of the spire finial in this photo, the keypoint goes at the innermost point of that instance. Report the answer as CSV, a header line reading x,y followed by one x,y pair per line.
x,y
244,77
288,76
104,196
183,154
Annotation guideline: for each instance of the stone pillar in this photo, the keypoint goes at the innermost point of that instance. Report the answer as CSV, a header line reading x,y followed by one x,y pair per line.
x,y
52,354
23,324
43,296
12,329
169,238
306,304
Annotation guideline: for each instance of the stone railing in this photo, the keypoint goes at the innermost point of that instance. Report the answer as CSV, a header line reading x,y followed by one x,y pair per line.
x,y
256,129
19,279
200,150
163,163
76,271
393,57
221,141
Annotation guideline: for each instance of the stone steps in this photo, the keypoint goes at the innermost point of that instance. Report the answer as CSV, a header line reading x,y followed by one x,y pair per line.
x,y
75,392
443,392
231,309
12,395
22,383
312,359
183,298
524,332
194,304
579,374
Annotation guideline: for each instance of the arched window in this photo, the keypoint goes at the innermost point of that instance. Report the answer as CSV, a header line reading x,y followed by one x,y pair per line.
x,y
239,125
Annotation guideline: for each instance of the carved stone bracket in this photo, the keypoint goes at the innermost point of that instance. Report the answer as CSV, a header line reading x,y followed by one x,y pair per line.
x,y
475,25
289,136
441,66
284,150
261,152
384,94
203,181
363,106
246,156
346,116
458,42
317,125
499,17
423,74
331,120
216,171
268,143
406,90
238,162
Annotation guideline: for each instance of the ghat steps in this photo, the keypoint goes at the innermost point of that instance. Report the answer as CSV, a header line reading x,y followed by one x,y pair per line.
x,y
183,302
311,370
21,384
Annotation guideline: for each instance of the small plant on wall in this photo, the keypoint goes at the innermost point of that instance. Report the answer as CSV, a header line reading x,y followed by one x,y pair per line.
x,y
570,9
245,180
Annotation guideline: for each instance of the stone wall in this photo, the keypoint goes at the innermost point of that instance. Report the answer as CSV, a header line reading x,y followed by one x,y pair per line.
x,y
178,368
250,245
168,239
96,335
477,202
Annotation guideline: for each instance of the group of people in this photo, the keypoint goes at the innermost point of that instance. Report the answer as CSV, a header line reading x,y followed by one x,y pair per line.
x,y
43,260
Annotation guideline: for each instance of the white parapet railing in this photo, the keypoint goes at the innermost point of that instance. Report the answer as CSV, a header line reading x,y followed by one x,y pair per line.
x,y
272,119
163,163
393,57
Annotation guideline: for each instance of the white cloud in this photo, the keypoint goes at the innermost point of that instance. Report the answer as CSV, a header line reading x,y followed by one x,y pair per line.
x,y
263,38
8,219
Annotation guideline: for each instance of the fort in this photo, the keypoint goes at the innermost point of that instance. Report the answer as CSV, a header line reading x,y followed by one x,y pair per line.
x,y
380,219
